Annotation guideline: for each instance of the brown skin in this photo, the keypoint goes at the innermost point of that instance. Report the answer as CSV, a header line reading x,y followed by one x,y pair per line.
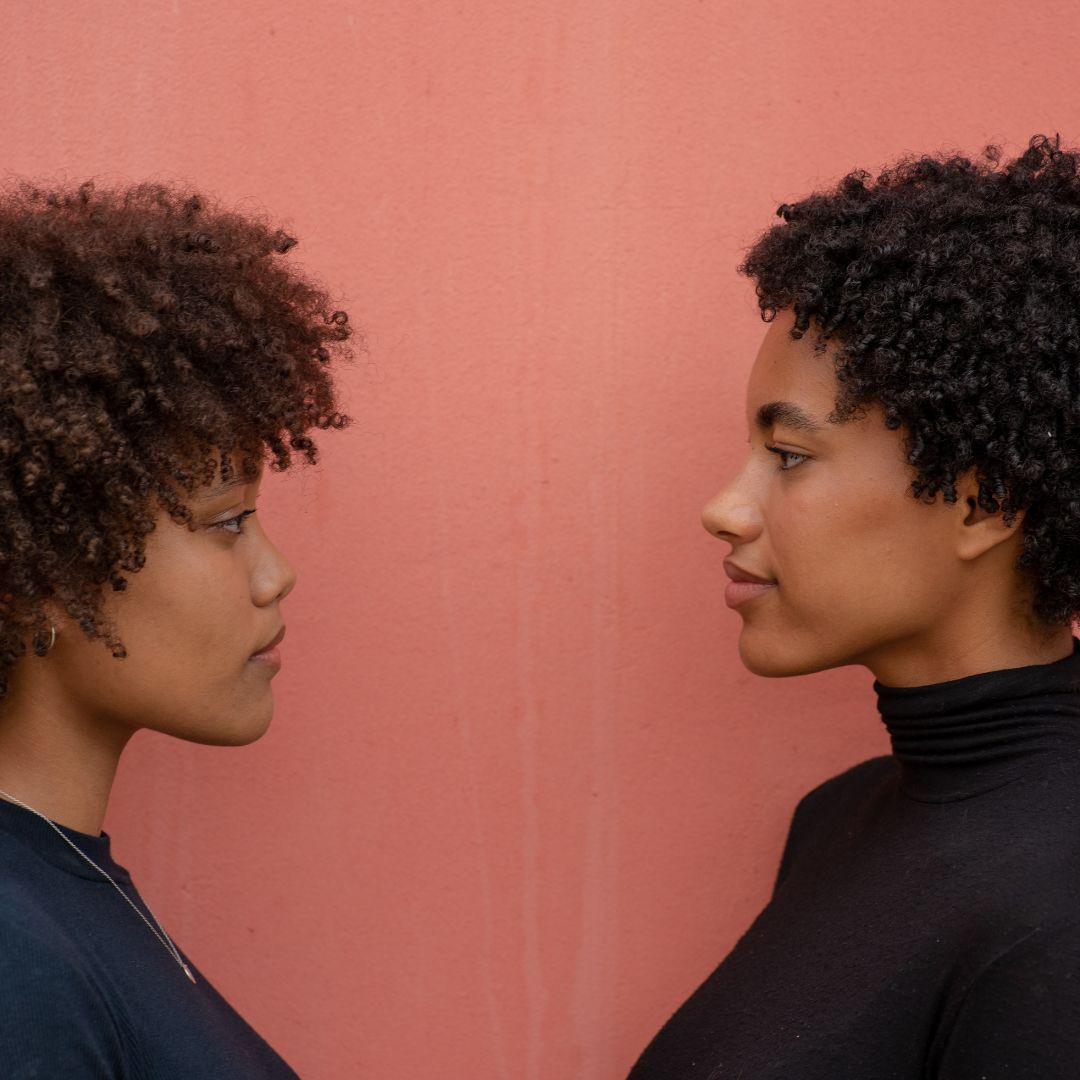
x,y
866,574
190,619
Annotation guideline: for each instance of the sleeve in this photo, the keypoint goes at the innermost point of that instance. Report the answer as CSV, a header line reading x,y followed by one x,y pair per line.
x,y
1020,1017
53,1021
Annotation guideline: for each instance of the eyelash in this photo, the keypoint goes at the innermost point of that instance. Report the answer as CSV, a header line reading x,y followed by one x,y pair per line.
x,y
238,521
784,454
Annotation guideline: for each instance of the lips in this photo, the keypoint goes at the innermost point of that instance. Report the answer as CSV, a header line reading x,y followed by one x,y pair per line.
x,y
275,640
744,586
737,573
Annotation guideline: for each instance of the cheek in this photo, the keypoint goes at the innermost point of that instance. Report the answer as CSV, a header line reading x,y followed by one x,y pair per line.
x,y
186,672
184,621
857,550
182,603
853,572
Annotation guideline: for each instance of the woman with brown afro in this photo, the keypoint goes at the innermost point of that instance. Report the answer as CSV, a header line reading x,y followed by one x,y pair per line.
x,y
156,352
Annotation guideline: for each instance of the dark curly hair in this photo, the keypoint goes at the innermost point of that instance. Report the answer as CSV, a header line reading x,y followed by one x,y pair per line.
x,y
951,290
146,336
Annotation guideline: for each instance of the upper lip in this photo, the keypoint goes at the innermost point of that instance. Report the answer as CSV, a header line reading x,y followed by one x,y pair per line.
x,y
737,573
275,640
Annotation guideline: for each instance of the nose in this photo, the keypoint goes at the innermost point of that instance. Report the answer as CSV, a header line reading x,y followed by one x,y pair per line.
x,y
733,514
288,577
274,576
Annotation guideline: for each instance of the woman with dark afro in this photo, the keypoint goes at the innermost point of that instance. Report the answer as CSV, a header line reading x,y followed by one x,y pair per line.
x,y
923,341
156,352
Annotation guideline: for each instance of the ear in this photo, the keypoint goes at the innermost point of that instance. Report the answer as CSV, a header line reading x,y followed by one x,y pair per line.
x,y
977,530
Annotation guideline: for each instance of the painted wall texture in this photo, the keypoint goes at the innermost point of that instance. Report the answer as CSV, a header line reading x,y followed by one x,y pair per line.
x,y
519,795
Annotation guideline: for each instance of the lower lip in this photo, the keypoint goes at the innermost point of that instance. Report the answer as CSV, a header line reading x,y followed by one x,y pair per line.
x,y
271,658
739,592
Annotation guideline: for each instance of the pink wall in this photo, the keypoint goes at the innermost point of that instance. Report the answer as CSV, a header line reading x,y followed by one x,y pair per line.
x,y
519,795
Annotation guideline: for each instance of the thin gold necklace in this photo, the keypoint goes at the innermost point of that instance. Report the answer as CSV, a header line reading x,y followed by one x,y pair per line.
x,y
162,936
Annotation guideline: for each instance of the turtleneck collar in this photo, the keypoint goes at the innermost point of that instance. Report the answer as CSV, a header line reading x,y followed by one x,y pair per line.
x,y
964,737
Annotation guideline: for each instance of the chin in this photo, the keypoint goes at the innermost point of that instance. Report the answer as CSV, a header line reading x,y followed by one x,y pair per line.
x,y
762,654
247,734
242,738
230,730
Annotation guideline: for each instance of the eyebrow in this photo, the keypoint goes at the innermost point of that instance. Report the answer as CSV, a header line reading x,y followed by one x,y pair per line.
x,y
787,413
221,489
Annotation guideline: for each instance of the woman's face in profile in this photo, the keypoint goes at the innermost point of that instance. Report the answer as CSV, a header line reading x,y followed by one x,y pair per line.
x,y
205,601
861,567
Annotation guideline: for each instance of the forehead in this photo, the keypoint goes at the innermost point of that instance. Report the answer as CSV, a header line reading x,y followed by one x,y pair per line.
x,y
236,484
789,370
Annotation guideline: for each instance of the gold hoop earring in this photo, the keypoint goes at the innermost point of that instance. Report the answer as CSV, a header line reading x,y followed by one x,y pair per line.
x,y
52,640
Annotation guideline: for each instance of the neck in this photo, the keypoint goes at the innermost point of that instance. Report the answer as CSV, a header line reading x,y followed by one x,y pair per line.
x,y
966,736
56,760
956,653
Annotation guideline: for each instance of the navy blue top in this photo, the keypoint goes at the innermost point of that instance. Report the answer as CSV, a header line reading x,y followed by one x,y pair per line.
x,y
925,921
87,991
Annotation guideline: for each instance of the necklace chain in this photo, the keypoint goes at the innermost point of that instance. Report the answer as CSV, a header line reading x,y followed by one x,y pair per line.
x,y
162,936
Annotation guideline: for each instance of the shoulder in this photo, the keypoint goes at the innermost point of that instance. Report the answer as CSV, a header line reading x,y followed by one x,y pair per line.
x,y
27,919
36,947
852,783
56,1019
833,799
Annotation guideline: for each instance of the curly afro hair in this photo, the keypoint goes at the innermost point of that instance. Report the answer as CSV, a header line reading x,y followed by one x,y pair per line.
x,y
951,290
146,337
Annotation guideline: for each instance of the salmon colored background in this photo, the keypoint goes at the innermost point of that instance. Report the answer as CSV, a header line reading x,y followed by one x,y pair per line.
x,y
519,795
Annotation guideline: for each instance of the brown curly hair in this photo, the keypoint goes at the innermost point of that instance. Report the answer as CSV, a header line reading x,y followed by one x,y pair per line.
x,y
146,336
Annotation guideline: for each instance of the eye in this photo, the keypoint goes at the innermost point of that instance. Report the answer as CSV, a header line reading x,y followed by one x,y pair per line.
x,y
785,454
234,525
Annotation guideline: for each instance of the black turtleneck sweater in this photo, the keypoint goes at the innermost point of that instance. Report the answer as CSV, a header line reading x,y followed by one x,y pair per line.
x,y
925,923
87,992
